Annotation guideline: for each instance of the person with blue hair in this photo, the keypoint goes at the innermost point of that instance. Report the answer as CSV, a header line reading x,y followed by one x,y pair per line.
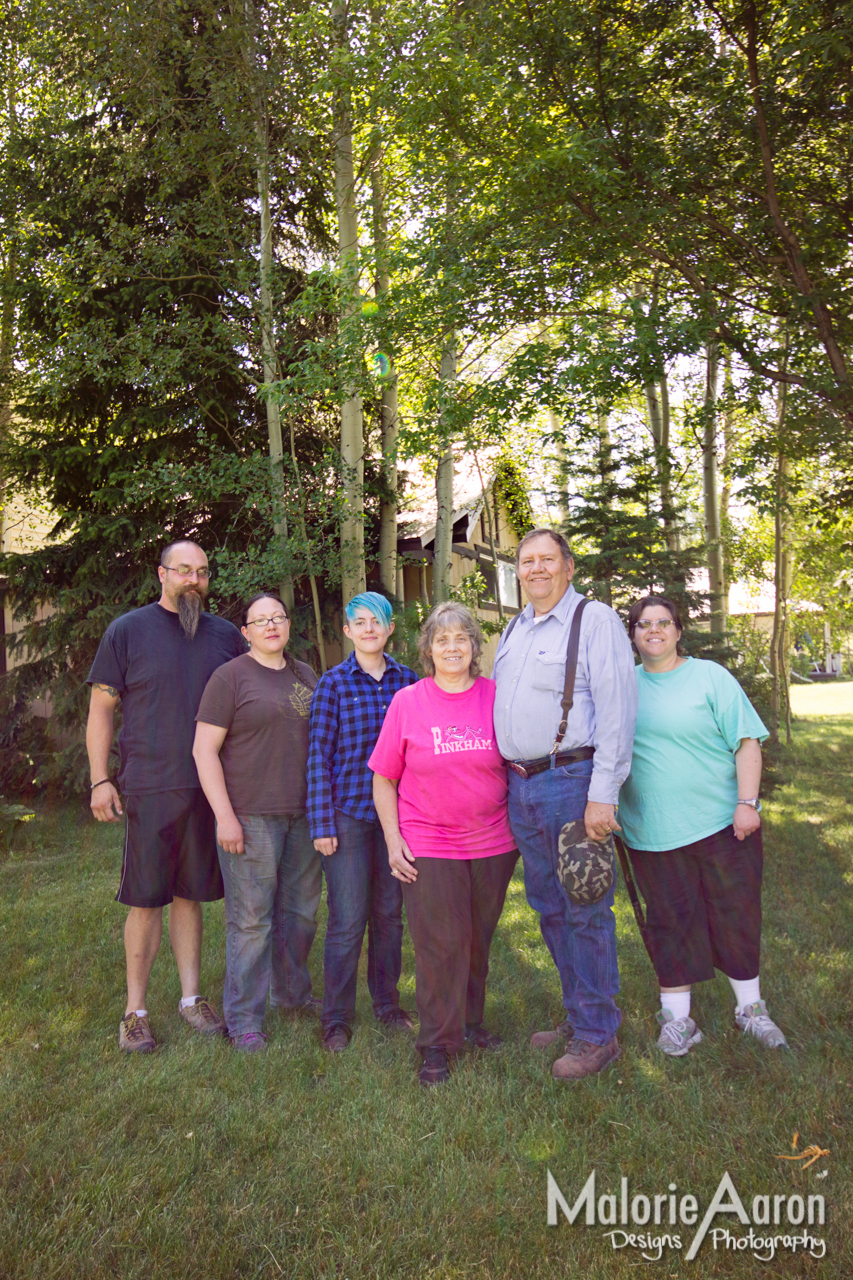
x,y
347,713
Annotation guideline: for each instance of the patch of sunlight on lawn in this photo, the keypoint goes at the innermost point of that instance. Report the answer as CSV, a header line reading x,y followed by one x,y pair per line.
x,y
830,699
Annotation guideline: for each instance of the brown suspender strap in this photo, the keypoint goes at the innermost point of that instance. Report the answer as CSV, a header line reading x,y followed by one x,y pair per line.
x,y
571,670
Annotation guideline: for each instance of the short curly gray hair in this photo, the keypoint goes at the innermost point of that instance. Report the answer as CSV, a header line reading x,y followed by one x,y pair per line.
x,y
449,614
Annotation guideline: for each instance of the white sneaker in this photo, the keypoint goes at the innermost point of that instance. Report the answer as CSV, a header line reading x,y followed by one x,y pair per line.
x,y
754,1020
678,1035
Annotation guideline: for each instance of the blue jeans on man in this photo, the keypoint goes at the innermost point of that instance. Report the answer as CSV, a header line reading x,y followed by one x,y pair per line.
x,y
272,892
581,939
361,893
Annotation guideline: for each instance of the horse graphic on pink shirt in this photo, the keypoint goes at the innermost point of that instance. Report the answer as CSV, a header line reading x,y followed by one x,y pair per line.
x,y
455,738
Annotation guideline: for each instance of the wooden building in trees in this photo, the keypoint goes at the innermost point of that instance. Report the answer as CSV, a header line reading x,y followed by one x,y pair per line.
x,y
484,517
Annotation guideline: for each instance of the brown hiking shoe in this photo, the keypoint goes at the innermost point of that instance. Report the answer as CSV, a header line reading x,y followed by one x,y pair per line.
x,y
134,1035
543,1039
337,1038
585,1059
202,1017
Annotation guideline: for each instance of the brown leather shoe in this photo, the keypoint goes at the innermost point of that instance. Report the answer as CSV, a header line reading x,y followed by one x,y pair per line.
x,y
203,1018
585,1059
543,1039
134,1035
337,1038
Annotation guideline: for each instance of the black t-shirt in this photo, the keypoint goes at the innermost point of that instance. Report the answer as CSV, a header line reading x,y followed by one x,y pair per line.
x,y
160,675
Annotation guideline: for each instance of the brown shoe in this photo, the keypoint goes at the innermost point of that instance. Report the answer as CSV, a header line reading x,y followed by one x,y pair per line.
x,y
134,1035
543,1039
202,1017
436,1066
585,1059
337,1038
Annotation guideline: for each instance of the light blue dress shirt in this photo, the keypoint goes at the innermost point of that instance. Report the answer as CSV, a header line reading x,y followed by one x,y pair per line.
x,y
529,671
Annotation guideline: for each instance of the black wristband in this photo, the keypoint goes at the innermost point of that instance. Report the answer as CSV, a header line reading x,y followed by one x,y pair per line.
x,y
98,784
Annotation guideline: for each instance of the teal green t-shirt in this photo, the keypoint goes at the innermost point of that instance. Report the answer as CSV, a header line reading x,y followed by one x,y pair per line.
x,y
683,783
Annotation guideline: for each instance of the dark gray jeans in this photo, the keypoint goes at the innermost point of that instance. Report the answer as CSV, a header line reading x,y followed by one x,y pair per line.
x,y
272,892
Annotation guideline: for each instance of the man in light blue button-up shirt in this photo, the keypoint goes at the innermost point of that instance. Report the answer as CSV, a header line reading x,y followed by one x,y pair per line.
x,y
593,760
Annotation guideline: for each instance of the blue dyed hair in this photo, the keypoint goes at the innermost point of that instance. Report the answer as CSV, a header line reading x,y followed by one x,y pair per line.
x,y
374,603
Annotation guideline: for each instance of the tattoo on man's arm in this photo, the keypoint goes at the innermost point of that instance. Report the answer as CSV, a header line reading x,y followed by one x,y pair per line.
x,y
108,688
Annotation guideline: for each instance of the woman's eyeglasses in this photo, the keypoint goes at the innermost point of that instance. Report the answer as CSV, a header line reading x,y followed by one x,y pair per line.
x,y
278,620
645,624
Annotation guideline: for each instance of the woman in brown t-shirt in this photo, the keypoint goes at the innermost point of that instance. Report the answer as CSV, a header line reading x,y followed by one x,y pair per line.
x,y
251,750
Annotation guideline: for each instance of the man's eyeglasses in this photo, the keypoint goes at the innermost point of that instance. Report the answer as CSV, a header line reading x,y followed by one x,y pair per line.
x,y
278,620
184,571
645,624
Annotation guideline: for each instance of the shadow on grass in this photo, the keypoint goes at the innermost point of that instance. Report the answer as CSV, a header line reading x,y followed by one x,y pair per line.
x,y
200,1163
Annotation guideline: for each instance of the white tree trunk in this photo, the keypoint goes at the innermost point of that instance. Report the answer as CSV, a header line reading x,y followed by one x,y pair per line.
x,y
268,360
780,702
444,491
558,431
713,532
390,417
353,577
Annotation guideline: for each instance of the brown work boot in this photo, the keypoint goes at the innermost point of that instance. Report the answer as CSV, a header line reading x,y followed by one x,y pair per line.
x,y
337,1038
134,1035
585,1059
543,1039
202,1017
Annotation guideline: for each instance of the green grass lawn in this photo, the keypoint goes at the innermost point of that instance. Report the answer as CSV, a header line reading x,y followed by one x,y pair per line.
x,y
196,1162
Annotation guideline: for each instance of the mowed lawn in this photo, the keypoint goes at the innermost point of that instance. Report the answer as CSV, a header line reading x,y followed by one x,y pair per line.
x,y
197,1162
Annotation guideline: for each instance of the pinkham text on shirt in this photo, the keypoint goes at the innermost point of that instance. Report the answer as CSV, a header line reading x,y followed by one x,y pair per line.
x,y
454,738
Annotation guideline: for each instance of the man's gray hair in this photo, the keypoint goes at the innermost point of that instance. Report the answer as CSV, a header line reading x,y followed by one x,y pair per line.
x,y
445,615
554,535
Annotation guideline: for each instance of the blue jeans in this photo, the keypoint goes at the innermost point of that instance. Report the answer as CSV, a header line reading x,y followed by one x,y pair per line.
x,y
581,940
272,892
361,893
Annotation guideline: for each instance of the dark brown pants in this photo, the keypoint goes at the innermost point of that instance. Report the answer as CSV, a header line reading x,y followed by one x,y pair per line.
x,y
452,910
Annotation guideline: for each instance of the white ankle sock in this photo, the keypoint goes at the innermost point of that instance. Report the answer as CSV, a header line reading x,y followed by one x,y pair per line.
x,y
677,1002
186,1001
747,992
140,1013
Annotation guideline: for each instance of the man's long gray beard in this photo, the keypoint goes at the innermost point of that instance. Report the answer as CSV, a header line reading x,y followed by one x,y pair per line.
x,y
190,607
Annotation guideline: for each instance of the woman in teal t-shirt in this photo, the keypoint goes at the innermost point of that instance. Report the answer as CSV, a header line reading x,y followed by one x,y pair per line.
x,y
690,815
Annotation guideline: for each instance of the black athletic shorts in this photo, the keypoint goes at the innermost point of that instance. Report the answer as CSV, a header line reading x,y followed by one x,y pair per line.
x,y
703,907
169,849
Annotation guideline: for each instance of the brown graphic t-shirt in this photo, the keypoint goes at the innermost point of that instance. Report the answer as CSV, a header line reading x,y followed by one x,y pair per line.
x,y
265,754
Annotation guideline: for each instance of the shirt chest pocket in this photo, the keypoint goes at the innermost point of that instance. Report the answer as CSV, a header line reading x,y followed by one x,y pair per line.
x,y
549,671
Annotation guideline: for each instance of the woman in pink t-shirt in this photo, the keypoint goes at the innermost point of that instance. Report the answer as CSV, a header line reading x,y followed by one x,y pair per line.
x,y
440,791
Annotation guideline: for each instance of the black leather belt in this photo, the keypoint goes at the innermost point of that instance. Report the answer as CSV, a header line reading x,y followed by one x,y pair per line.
x,y
527,768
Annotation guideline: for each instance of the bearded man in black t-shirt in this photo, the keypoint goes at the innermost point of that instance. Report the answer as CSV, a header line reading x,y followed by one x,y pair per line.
x,y
156,661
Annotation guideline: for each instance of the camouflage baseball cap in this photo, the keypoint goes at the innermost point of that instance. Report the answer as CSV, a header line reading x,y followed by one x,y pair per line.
x,y
586,867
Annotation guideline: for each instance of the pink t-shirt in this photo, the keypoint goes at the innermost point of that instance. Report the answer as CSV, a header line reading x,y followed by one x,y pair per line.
x,y
441,747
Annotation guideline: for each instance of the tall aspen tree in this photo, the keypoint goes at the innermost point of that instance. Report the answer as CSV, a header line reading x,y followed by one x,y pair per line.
x,y
353,578
390,415
710,492
444,482
260,120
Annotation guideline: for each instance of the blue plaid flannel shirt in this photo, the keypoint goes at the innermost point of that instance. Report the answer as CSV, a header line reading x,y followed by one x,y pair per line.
x,y
347,711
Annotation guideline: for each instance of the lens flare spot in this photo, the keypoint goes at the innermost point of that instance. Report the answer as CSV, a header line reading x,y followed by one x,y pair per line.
x,y
382,367
369,308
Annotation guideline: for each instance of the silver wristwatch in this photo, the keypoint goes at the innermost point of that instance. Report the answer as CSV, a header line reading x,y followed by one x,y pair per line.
x,y
754,803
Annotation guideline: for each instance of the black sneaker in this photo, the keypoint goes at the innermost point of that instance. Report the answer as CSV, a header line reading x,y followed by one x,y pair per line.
x,y
436,1066
477,1037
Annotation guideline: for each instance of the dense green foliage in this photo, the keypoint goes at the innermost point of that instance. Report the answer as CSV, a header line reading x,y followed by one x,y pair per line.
x,y
580,201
